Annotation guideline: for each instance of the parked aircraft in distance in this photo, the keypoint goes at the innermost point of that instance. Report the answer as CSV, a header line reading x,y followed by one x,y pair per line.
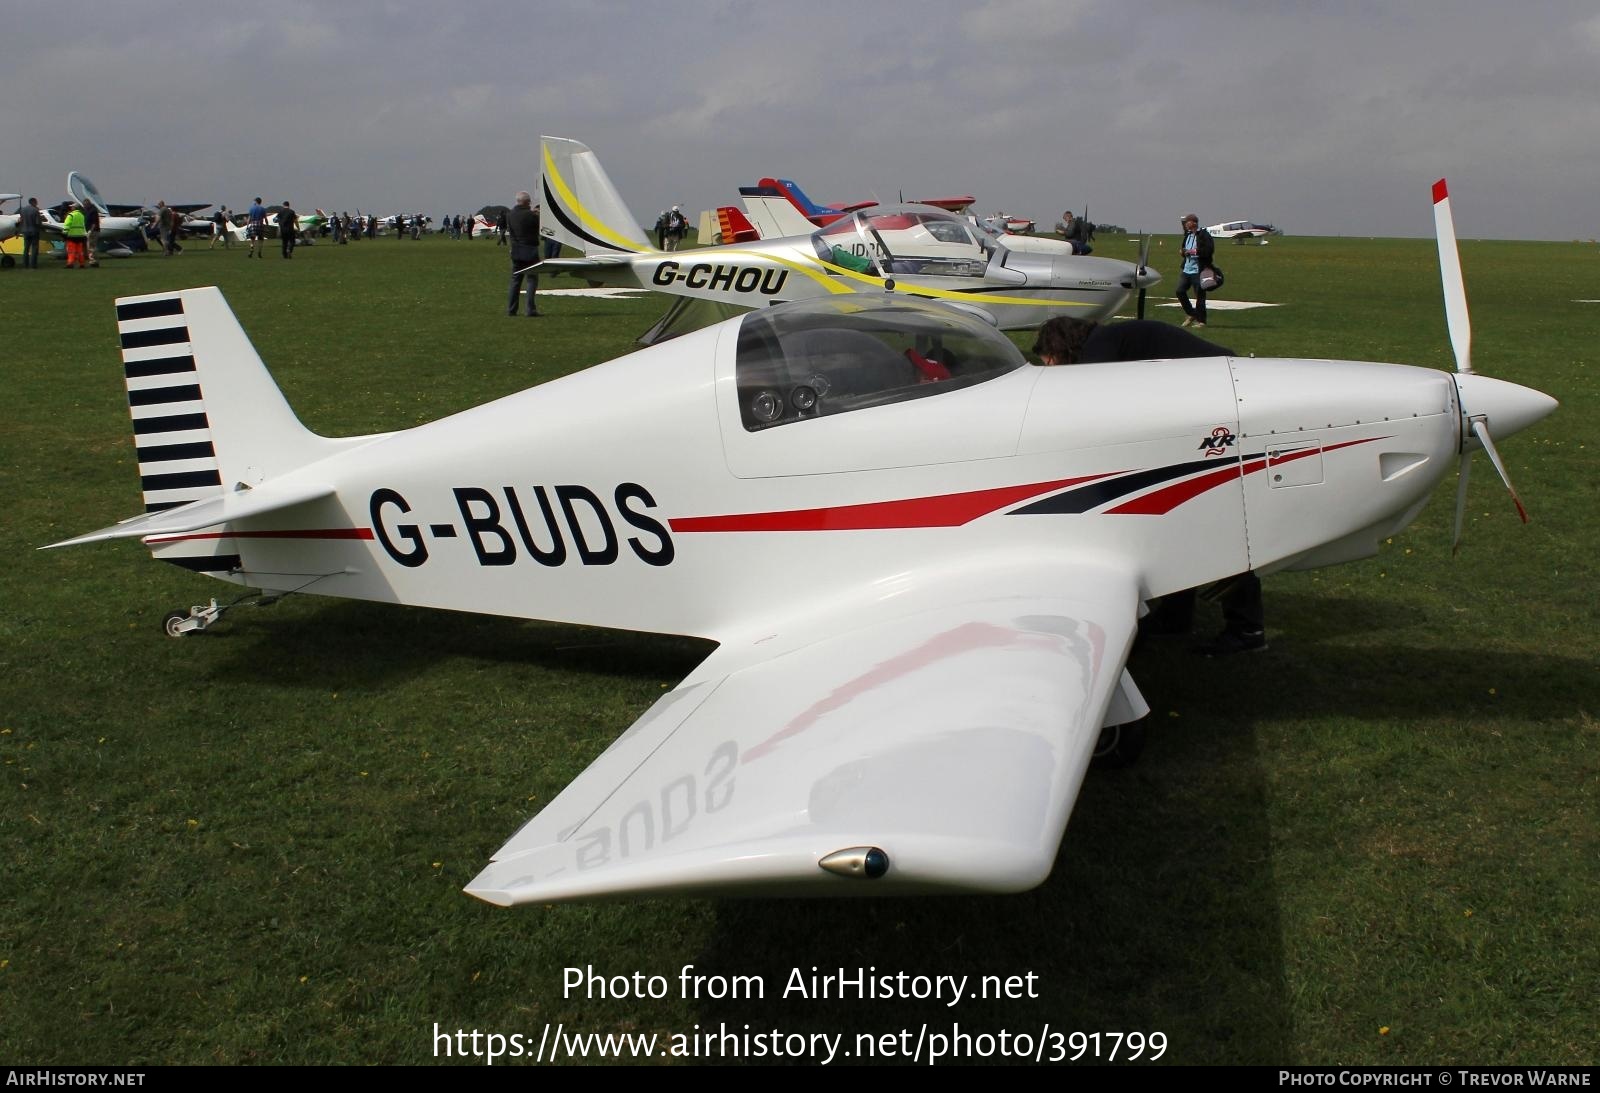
x,y
1241,229
916,249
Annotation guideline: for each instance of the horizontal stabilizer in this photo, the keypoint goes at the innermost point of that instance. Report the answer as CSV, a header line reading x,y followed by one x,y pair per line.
x,y
208,512
580,266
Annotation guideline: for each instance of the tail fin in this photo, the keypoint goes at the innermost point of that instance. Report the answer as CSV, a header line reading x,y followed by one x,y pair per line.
x,y
582,208
773,214
208,420
733,227
798,197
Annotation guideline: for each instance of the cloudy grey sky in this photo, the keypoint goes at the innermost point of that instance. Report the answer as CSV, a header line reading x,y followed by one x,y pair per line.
x,y
1323,118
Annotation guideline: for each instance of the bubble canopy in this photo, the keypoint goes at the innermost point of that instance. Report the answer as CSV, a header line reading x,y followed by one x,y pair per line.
x,y
84,193
839,354
919,239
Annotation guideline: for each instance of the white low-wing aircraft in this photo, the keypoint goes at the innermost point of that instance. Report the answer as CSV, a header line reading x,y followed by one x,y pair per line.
x,y
922,557
772,214
1241,229
112,226
915,249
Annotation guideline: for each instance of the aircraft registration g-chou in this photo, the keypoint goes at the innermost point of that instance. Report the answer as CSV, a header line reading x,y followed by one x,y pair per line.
x,y
922,558
915,249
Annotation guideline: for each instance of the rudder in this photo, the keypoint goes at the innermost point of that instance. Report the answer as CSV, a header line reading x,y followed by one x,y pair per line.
x,y
582,209
207,416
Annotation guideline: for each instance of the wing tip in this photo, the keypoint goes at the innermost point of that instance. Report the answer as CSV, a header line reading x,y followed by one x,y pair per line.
x,y
1440,192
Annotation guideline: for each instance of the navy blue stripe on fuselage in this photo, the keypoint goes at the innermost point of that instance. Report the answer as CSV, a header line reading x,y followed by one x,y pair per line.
x,y
1083,498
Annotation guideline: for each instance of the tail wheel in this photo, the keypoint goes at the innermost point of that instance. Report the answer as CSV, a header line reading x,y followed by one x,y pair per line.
x,y
1118,746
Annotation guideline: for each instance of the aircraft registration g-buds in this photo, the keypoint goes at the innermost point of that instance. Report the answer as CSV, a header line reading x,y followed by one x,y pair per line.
x,y
922,557
918,249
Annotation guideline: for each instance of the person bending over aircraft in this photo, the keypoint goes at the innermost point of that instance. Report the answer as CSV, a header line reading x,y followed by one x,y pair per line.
x,y
1074,341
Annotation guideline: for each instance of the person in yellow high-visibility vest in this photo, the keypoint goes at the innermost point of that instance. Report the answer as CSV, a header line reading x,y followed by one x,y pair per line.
x,y
77,234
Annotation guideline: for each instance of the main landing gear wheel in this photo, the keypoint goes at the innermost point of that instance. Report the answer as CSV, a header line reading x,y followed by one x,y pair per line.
x,y
1118,746
6,261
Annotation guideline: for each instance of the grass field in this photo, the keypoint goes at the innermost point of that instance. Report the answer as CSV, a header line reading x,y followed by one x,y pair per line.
x,y
1379,842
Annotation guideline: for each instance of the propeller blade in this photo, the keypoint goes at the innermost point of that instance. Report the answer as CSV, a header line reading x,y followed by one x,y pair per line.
x,y
1455,289
1461,501
1144,263
1480,429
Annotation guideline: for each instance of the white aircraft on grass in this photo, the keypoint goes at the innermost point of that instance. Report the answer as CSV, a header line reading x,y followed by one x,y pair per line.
x,y
1241,229
771,213
922,557
916,249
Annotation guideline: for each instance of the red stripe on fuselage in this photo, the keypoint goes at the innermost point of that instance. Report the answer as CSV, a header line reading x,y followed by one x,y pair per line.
x,y
1163,501
948,510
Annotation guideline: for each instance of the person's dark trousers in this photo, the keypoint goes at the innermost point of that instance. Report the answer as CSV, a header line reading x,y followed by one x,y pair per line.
x,y
517,281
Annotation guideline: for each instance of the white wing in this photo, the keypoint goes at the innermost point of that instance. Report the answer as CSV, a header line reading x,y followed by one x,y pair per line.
x,y
950,736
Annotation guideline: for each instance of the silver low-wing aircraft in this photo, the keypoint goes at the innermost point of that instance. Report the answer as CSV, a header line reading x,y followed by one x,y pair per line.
x,y
922,558
915,249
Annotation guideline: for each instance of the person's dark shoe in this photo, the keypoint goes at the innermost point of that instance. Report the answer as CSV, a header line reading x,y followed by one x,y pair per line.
x,y
1229,642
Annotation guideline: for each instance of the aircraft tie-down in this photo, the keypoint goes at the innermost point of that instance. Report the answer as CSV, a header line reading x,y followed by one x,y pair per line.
x,y
922,558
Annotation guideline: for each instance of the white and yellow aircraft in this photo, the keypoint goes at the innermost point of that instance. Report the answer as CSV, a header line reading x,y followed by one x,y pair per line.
x,y
922,557
10,225
914,249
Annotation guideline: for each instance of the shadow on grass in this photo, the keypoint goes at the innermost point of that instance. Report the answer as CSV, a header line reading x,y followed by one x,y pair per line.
x,y
1160,915
1313,665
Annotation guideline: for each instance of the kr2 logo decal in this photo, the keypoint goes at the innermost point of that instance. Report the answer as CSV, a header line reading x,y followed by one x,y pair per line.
x,y
1218,443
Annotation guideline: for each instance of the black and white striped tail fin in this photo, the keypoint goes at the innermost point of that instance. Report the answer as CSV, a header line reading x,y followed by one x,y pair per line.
x,y
171,433
207,416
